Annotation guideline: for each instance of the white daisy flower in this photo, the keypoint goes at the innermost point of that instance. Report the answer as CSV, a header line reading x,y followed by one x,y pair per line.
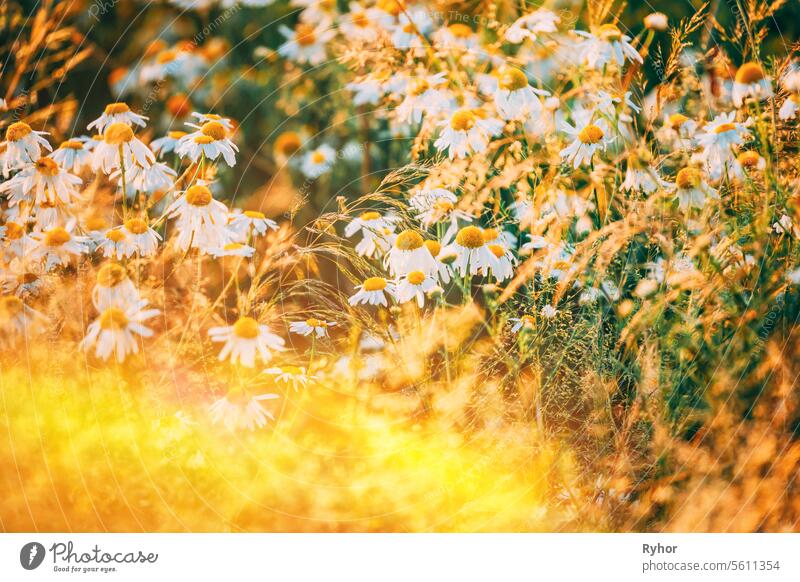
x,y
246,339
201,220
210,141
532,25
116,113
750,81
410,26
247,222
589,137
318,162
318,327
376,231
692,189
549,312
113,288
409,253
720,136
641,177
168,143
17,242
120,147
115,331
57,246
42,181
203,118
360,23
373,292
462,135
423,97
158,176
789,108
607,45
23,146
294,376
514,97
72,156
415,285
233,249
237,410
22,277
473,255
524,322
306,43
504,266
457,36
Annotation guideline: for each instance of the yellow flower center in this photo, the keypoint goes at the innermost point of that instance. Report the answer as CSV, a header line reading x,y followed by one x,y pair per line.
x,y
416,277
723,127
16,131
512,79
463,120
419,86
47,167
111,275
688,178
304,34
408,240
14,231
470,237
434,247
749,159
497,250
214,129
312,322
136,226
390,6
370,215
591,134
115,236
460,30
443,206
232,246
318,157
198,195
253,214
118,134
71,145
749,73
246,328
360,19
116,108
374,284
204,139
56,237
490,234
676,120
609,32
287,143
113,319
176,134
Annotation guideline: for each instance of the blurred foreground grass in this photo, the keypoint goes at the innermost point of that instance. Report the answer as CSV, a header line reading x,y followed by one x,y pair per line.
x,y
92,450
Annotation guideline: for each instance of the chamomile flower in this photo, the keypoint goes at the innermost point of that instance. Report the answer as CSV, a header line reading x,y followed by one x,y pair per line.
x,y
677,128
115,331
415,285
790,107
40,182
233,249
238,410
203,118
532,26
423,96
150,179
295,376
306,43
317,327
514,97
720,136
409,254
201,220
318,161
23,146
373,291
143,238
461,135
120,147
113,287
548,312
376,231
168,143
607,44
641,177
72,156
746,163
115,244
116,113
473,255
22,278
360,23
589,136
17,242
210,141
58,246
750,81
244,223
691,189
503,268
524,322
457,36
246,339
